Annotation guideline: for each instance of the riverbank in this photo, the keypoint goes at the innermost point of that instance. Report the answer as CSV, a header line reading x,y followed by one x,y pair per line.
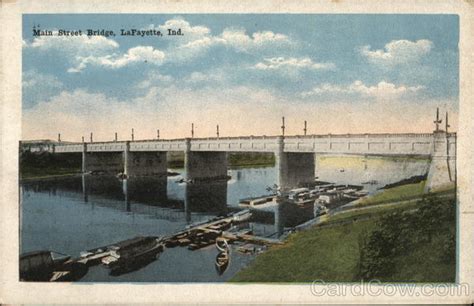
x,y
47,165
410,241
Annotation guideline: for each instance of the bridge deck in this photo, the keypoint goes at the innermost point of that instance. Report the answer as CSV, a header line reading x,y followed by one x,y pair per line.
x,y
387,144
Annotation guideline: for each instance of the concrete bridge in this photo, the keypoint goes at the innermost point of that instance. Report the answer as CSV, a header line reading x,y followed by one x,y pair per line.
x,y
206,158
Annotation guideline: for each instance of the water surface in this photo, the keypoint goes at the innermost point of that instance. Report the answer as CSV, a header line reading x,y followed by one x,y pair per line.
x,y
72,214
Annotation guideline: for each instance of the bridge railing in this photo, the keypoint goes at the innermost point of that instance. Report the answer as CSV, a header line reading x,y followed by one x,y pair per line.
x,y
242,142
370,135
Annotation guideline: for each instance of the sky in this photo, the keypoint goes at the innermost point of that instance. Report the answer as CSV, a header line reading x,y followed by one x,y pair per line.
x,y
243,72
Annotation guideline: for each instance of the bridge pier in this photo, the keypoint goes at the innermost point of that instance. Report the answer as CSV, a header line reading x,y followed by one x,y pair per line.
x,y
144,163
107,162
442,171
204,166
294,169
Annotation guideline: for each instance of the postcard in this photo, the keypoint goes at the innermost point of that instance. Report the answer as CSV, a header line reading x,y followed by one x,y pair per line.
x,y
218,152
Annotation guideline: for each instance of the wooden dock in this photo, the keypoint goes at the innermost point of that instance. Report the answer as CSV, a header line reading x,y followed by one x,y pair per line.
x,y
193,237
204,234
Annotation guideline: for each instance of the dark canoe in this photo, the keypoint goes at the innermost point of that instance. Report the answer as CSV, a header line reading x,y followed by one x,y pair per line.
x,y
133,251
39,265
70,271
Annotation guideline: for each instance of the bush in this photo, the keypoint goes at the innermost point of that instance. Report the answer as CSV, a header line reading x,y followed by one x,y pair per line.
x,y
400,234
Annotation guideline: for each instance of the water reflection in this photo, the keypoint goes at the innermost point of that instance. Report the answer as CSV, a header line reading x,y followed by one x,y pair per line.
x,y
192,203
206,197
134,266
72,214
164,198
137,193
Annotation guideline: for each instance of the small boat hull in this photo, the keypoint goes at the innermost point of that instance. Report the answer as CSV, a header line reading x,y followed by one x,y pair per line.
x,y
132,253
222,245
39,266
222,262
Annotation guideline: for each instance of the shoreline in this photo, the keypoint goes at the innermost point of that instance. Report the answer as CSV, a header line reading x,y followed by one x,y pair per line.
x,y
362,219
25,178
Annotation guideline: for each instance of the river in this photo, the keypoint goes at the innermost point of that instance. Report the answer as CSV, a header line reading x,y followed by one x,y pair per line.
x,y
73,214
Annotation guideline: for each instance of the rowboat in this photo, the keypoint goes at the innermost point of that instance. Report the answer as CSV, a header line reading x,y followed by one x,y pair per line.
x,y
222,262
222,245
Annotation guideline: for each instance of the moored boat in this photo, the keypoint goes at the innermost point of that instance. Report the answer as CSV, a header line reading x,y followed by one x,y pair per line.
x,y
131,251
222,262
222,245
70,271
40,265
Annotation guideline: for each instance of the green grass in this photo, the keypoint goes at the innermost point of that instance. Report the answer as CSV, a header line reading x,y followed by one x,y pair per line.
x,y
251,159
330,254
333,253
399,193
44,165
39,173
372,211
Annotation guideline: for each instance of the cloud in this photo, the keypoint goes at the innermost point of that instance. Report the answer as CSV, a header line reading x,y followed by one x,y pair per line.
x,y
154,78
197,40
398,51
238,110
180,23
83,44
276,63
37,86
32,78
99,51
235,39
381,90
134,55
238,39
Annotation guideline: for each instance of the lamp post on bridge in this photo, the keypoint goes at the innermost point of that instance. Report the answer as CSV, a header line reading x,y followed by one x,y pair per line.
x,y
116,138
158,134
283,126
59,137
305,129
91,137
217,132
438,121
447,124
192,130
82,139
133,134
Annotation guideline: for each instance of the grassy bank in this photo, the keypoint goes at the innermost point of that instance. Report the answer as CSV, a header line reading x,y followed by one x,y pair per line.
x,y
329,254
399,193
251,159
413,242
44,165
33,174
403,193
235,160
49,165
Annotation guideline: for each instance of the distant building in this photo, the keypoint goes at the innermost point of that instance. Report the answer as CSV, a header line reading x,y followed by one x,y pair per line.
x,y
37,146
